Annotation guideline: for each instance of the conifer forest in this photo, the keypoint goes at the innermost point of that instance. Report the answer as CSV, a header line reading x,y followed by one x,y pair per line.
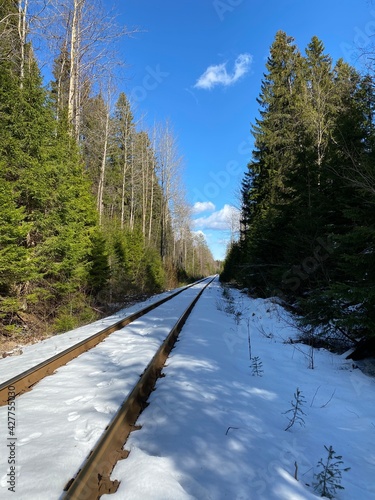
x,y
92,206
308,194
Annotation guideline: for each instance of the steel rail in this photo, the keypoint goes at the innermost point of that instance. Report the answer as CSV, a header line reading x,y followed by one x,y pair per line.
x,y
93,479
24,381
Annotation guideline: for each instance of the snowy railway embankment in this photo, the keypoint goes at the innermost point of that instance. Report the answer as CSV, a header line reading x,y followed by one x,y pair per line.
x,y
60,420
215,424
25,380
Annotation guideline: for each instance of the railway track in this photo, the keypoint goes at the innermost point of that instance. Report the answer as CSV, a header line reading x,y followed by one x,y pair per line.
x,y
26,380
93,479
89,478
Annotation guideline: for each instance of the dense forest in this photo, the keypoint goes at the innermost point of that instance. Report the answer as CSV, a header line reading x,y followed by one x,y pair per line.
x,y
92,206
308,194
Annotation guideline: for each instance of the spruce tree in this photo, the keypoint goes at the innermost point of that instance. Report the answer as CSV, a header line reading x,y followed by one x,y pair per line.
x,y
42,172
339,296
309,181
348,297
307,225
265,191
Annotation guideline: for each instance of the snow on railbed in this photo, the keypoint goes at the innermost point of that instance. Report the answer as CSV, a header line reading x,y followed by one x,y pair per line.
x,y
215,431
59,421
11,366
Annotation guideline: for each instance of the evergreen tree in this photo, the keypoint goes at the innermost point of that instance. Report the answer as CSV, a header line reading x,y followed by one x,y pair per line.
x,y
42,172
265,190
307,228
54,258
310,180
346,301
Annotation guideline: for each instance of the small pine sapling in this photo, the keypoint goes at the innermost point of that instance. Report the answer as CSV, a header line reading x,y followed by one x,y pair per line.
x,y
296,410
329,478
257,367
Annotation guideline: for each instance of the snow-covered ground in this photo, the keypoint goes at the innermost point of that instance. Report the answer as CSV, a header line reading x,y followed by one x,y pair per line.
x,y
39,352
213,430
59,421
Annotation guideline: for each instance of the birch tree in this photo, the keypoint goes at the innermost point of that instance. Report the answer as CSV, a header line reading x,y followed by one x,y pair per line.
x,y
86,35
169,175
95,130
146,170
103,163
124,130
13,34
182,232
22,32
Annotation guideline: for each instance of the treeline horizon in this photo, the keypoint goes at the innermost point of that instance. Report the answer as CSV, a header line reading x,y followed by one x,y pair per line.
x,y
308,194
92,207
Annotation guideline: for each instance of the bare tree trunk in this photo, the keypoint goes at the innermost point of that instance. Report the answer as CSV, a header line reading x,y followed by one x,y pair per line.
x,y
102,170
144,188
151,206
74,63
22,31
185,253
153,171
124,169
169,166
132,192
60,98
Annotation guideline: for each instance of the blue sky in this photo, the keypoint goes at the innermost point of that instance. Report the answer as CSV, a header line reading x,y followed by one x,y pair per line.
x,y
199,64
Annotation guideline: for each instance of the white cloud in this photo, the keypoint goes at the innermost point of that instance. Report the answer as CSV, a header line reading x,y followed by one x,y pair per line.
x,y
226,219
205,206
218,75
200,234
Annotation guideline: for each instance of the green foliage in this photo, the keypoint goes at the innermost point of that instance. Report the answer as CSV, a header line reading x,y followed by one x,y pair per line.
x,y
310,181
46,209
254,262
232,264
75,311
99,269
55,260
13,235
328,480
135,267
155,276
